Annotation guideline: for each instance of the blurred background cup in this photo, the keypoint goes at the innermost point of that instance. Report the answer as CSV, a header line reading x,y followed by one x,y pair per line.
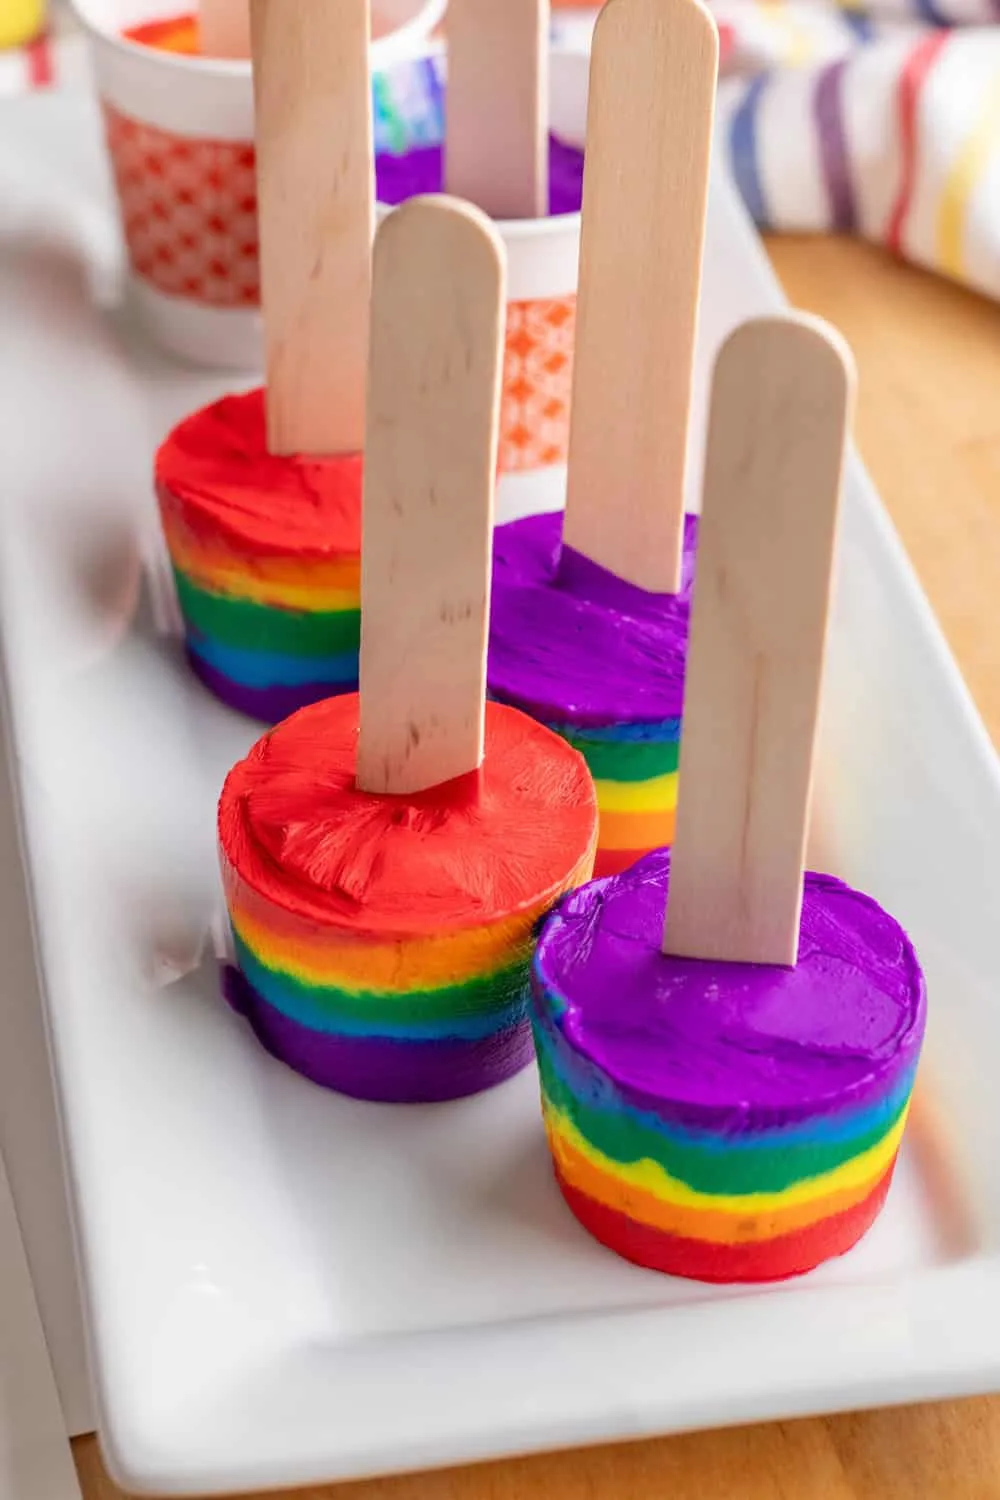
x,y
179,129
20,21
542,269
543,258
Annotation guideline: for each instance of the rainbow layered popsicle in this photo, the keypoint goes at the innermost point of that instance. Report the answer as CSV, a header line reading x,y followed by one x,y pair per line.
x,y
260,494
265,553
728,1042
728,1122
383,944
387,856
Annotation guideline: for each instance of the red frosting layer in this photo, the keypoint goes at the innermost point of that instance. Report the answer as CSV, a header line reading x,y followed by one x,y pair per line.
x,y
217,464
762,1260
297,830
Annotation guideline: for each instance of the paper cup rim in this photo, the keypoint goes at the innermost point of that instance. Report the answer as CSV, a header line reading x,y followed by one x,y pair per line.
x,y
511,229
517,229
410,39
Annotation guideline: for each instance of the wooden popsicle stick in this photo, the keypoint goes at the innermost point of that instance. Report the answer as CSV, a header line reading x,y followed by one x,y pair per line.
x,y
781,404
496,153
427,519
316,197
645,186
224,28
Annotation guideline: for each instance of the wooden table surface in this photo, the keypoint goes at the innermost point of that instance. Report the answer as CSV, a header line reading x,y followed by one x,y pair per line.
x,y
929,429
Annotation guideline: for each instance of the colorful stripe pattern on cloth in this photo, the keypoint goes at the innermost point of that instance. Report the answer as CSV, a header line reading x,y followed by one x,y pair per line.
x,y
602,664
383,944
724,1122
265,553
873,117
895,137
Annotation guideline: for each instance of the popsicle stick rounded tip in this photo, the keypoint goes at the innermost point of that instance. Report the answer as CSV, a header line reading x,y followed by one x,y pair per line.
x,y
428,504
451,222
496,152
796,338
653,76
621,21
780,408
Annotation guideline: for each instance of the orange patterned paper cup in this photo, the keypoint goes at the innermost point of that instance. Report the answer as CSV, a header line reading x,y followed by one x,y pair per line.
x,y
542,268
180,137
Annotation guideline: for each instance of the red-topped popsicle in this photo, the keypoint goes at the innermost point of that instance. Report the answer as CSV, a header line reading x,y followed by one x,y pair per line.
x,y
260,494
387,857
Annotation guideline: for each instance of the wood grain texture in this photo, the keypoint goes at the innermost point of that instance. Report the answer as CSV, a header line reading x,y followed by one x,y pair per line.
x,y
427,518
948,1452
929,429
496,153
781,404
649,135
316,195
224,28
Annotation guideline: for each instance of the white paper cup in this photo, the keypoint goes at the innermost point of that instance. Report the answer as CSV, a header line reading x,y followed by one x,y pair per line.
x,y
180,136
542,269
543,258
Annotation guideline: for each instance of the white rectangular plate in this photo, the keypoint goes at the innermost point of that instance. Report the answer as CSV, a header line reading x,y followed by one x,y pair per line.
x,y
282,1285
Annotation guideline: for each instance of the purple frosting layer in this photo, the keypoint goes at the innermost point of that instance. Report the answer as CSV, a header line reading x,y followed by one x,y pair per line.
x,y
734,1047
572,644
386,1072
269,705
422,171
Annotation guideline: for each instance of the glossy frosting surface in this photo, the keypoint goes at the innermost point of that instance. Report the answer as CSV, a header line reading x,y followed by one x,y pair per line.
x,y
570,643
216,464
733,1046
296,829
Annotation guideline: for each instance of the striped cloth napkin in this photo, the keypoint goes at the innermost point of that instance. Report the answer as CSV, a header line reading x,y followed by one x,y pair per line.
x,y
878,119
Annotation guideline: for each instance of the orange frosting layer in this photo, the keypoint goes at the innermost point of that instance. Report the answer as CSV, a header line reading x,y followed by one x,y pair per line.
x,y
638,830
331,957
696,1222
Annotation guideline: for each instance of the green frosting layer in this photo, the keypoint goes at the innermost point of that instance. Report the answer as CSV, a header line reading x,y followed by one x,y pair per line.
x,y
624,760
265,627
485,993
711,1167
